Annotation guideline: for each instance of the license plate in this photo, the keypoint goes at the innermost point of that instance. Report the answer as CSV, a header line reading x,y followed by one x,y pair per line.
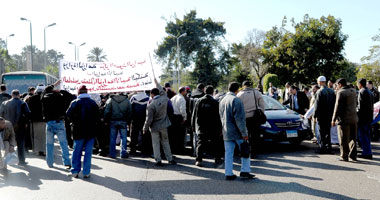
x,y
291,134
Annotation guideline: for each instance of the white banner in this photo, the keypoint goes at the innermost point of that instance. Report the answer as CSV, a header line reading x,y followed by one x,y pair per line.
x,y
103,77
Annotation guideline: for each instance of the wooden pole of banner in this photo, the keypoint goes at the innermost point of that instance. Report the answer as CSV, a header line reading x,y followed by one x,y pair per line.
x,y
151,64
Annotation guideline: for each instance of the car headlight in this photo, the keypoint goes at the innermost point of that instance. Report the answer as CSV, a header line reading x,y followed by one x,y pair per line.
x,y
266,125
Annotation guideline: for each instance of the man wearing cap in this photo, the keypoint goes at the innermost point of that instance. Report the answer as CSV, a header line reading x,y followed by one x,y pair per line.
x,y
84,115
38,125
7,140
252,100
54,112
177,135
17,112
323,112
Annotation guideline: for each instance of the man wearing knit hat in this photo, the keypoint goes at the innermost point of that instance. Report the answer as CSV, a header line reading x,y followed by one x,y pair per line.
x,y
84,115
323,112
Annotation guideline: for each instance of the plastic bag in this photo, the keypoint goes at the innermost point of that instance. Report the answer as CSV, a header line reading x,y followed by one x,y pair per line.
x,y
11,159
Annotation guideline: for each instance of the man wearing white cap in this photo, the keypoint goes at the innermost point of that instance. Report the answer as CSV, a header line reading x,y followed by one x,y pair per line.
x,y
324,108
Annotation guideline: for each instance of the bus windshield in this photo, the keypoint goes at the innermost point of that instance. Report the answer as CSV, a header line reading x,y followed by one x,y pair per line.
x,y
23,81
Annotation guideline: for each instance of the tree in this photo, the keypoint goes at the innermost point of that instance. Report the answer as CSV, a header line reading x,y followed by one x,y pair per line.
x,y
370,71
314,48
96,55
201,47
374,51
270,78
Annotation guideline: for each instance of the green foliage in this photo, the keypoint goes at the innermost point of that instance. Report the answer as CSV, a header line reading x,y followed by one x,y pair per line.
x,y
374,51
314,48
53,70
349,71
370,71
270,78
96,54
200,47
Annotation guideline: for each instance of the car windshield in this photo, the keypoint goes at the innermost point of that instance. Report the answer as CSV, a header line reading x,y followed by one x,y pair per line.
x,y
272,104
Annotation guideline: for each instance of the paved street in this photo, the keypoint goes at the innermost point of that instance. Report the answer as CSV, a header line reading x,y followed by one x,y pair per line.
x,y
283,172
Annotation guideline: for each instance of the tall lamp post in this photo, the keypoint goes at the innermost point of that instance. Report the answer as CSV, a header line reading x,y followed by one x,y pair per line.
x,y
177,60
50,25
78,49
31,43
6,40
75,47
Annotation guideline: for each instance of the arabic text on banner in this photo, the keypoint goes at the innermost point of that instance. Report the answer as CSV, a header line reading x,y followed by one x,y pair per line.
x,y
104,77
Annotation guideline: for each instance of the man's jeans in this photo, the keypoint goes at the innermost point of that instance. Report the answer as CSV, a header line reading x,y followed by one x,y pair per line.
x,y
364,132
87,144
229,146
56,128
117,126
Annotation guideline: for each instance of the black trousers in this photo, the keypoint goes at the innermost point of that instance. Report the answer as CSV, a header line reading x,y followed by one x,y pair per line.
x,y
103,138
325,136
253,134
20,133
136,130
177,133
69,135
209,142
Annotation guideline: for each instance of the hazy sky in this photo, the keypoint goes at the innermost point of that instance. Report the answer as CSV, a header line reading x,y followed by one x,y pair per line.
x,y
130,29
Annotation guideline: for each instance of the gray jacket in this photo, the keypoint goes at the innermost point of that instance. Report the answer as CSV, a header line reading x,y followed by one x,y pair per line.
x,y
157,116
249,97
16,111
232,115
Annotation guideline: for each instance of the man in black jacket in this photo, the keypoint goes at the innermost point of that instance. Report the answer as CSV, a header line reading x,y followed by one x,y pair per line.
x,y
84,115
197,94
365,115
4,96
206,122
53,111
298,100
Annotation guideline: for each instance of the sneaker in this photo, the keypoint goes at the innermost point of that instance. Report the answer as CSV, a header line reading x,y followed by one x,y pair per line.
x,y
87,176
246,175
73,175
158,164
173,162
231,178
199,164
68,167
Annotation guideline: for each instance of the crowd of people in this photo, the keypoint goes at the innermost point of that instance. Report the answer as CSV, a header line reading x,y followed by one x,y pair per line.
x,y
158,122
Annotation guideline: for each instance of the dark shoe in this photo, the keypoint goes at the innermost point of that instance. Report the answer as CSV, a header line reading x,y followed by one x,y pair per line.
x,y
68,167
158,164
173,162
219,161
125,156
132,152
86,176
41,153
74,175
319,151
342,159
22,163
231,178
246,175
369,157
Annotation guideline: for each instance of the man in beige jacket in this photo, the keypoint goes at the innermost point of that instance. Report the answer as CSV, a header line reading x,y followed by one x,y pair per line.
x,y
346,118
8,140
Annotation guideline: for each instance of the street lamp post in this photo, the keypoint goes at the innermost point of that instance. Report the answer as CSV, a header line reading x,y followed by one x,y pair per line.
x,y
78,49
6,40
177,60
50,25
75,47
31,43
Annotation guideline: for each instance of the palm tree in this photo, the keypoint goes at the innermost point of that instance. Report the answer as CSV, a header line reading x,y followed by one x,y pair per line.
x,y
96,55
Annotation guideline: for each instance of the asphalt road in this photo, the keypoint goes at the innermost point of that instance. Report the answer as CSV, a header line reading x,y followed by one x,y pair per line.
x,y
283,171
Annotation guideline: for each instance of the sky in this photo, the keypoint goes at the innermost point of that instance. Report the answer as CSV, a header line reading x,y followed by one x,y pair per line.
x,y
129,30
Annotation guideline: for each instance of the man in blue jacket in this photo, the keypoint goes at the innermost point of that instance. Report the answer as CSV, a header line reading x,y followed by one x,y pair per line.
x,y
84,115
232,115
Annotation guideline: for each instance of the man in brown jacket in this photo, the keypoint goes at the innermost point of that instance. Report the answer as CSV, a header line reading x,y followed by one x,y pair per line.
x,y
8,140
346,118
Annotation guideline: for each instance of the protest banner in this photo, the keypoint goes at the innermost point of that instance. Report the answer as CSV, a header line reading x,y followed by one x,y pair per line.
x,y
104,77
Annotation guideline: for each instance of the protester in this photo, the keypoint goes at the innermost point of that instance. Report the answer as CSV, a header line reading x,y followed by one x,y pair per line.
x,y
197,94
286,93
53,111
7,141
157,121
178,128
4,96
365,115
169,90
314,90
67,99
252,100
103,132
375,92
306,90
331,85
17,112
118,113
84,115
139,102
232,115
38,126
206,123
346,118
272,91
298,100
323,112
375,128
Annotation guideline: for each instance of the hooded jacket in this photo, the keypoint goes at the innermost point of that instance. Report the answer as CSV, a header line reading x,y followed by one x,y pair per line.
x,y
118,108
